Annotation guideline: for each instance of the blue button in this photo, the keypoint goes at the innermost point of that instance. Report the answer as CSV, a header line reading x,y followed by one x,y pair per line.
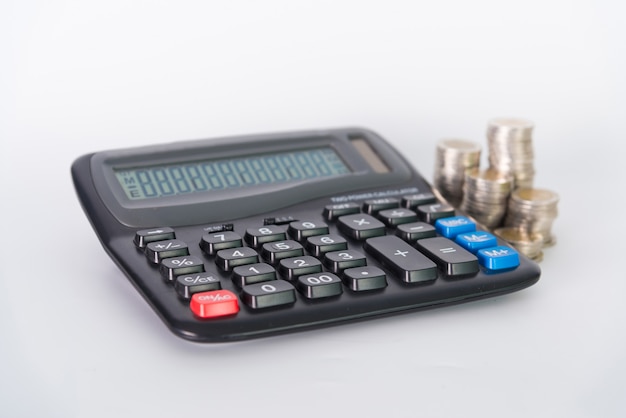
x,y
453,226
498,258
474,241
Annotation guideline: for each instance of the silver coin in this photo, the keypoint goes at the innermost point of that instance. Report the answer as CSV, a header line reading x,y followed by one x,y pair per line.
x,y
534,211
485,197
453,158
510,149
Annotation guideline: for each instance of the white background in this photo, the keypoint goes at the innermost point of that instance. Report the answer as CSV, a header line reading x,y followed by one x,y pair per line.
x,y
80,76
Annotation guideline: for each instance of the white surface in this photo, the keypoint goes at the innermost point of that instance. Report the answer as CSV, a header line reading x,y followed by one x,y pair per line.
x,y
77,77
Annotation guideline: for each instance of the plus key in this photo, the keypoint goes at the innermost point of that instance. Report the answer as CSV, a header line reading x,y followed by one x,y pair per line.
x,y
411,265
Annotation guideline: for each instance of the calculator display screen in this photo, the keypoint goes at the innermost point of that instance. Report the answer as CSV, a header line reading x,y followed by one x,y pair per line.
x,y
189,177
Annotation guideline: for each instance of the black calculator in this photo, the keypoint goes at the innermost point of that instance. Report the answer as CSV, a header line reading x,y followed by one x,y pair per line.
x,y
243,237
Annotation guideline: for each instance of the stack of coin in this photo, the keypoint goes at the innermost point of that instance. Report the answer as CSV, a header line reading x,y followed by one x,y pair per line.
x,y
510,149
453,158
533,211
528,244
485,196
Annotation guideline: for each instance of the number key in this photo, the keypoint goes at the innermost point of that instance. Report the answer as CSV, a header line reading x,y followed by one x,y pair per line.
x,y
265,295
253,273
256,237
319,245
301,230
233,257
297,266
320,285
338,261
212,243
276,251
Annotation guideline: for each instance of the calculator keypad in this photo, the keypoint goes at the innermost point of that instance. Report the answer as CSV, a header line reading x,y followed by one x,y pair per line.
x,y
410,240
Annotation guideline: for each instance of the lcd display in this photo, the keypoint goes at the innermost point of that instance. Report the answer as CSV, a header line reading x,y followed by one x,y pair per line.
x,y
186,177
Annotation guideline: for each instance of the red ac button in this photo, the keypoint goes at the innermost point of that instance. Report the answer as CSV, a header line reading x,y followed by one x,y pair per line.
x,y
214,304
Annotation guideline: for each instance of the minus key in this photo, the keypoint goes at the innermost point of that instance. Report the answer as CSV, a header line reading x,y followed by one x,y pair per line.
x,y
414,231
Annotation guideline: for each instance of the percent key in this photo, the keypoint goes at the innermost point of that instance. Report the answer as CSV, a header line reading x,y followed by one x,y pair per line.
x,y
172,267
